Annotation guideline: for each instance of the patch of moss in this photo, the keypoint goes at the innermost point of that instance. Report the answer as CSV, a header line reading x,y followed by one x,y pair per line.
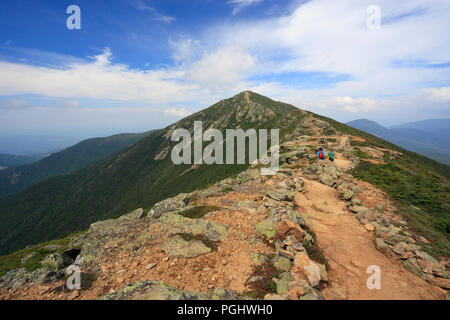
x,y
197,212
214,245
227,189
313,250
265,285
361,154
38,253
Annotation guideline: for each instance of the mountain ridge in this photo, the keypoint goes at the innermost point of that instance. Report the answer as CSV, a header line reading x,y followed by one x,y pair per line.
x,y
65,161
142,174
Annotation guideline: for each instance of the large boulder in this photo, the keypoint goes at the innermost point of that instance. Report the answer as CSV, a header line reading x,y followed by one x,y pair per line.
x,y
178,247
15,279
103,234
306,269
44,275
56,261
169,205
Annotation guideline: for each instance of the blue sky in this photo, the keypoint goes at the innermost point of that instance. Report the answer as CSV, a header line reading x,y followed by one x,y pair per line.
x,y
137,65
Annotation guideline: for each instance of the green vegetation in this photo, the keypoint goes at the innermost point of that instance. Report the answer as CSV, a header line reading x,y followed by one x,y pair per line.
x,y
33,255
361,154
68,160
265,284
420,195
313,250
12,160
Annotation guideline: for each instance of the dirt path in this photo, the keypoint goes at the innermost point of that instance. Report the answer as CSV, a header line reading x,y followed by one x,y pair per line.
x,y
349,250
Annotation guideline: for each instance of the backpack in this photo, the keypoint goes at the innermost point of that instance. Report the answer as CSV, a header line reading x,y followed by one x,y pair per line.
x,y
331,155
320,154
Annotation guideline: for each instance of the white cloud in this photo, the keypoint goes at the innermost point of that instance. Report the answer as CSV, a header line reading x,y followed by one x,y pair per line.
x,y
441,95
241,4
99,79
321,36
179,112
155,15
223,69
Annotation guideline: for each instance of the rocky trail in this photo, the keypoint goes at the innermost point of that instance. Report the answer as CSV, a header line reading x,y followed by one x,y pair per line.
x,y
349,249
309,232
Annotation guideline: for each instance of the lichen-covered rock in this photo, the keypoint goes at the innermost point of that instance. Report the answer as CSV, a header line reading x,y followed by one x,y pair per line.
x,y
156,290
313,294
15,279
295,216
175,224
258,258
153,290
266,228
224,294
108,233
282,263
326,179
380,244
347,194
283,283
359,210
178,247
412,265
169,205
281,195
56,261
332,171
44,275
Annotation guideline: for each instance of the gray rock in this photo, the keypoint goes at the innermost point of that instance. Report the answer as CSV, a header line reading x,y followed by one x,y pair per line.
x,y
326,179
44,275
412,265
169,205
15,279
380,244
56,261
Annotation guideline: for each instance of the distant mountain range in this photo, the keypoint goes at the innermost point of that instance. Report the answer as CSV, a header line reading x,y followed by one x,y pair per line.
x,y
430,138
18,177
